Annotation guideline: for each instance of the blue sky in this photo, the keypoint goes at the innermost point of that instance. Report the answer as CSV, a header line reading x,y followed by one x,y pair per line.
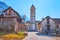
x,y
43,7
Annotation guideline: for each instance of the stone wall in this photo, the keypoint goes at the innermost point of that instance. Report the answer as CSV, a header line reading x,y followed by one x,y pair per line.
x,y
7,28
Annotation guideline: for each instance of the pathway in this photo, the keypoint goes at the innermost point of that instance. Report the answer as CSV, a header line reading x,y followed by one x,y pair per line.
x,y
33,36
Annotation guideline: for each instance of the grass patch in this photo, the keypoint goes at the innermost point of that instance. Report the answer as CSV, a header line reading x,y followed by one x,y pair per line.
x,y
3,33
21,33
13,35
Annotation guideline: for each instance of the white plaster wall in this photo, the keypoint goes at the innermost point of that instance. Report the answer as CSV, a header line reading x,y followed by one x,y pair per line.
x,y
43,24
59,26
14,14
52,24
28,26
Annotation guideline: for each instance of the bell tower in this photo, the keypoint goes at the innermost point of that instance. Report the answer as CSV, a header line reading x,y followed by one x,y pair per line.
x,y
32,18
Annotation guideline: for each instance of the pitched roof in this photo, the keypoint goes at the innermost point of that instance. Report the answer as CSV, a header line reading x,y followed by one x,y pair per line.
x,y
33,7
1,15
13,10
36,22
56,20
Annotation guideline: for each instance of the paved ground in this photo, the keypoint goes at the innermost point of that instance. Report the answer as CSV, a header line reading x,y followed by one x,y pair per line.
x,y
33,36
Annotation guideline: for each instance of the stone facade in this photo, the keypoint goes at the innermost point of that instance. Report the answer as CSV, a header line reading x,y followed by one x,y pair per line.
x,y
10,19
32,19
22,27
50,27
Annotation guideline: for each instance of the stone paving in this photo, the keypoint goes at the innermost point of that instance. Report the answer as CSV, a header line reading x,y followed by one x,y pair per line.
x,y
33,36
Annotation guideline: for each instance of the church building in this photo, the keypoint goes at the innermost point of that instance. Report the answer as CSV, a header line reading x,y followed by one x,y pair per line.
x,y
32,24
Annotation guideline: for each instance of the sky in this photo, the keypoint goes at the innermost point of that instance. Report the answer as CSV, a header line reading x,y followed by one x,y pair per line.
x,y
43,7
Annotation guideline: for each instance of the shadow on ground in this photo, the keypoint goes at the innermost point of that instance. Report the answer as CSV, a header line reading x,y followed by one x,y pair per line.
x,y
49,35
32,30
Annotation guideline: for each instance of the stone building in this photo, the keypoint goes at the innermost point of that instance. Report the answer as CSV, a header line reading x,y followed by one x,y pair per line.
x,y
32,19
28,25
50,25
9,19
31,25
